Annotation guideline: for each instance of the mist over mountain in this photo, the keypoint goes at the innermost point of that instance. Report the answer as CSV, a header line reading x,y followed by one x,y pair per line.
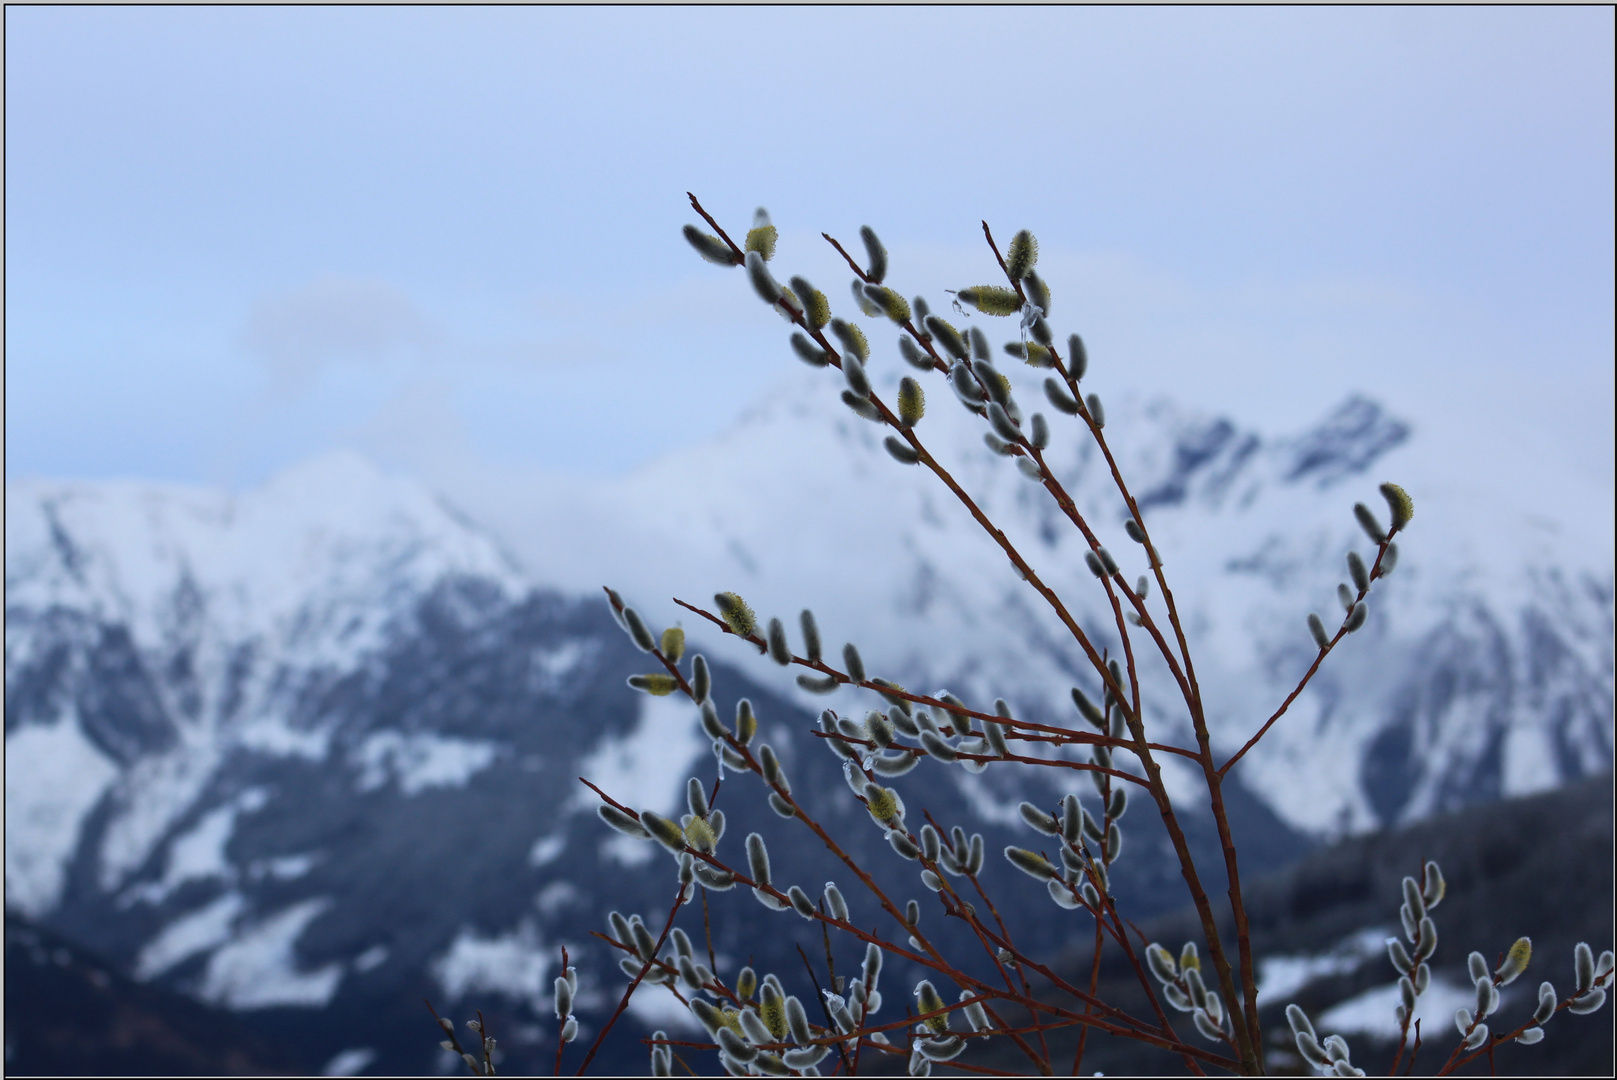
x,y
310,752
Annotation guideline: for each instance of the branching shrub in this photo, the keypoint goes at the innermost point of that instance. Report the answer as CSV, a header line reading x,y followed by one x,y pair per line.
x,y
755,1025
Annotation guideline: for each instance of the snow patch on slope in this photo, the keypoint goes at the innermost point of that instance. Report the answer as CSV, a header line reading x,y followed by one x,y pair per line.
x,y
54,776
258,968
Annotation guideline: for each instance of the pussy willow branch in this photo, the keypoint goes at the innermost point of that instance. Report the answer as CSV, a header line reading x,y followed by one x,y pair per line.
x,y
1247,1032
1246,1025
623,1003
916,751
1057,735
935,961
1341,632
1403,1029
1153,771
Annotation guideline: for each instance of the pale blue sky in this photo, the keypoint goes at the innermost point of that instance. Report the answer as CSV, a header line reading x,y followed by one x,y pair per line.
x,y
238,236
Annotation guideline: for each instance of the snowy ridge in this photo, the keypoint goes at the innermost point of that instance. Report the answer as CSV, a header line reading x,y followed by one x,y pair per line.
x,y
243,603
238,726
1485,670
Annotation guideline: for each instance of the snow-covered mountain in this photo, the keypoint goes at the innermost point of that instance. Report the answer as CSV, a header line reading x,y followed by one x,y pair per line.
x,y
1485,668
314,746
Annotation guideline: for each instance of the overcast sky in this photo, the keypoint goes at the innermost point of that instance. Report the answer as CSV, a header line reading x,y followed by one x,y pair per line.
x,y
236,237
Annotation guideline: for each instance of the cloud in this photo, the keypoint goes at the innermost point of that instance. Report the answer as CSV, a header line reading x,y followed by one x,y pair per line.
x,y
331,321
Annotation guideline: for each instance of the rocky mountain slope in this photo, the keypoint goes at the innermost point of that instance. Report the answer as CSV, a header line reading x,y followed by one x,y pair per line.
x,y
310,751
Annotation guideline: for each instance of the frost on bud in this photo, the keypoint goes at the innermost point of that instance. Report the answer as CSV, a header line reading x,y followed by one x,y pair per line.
x,y
1002,423
892,305
995,733
695,797
762,236
736,1046
1041,431
900,451
862,407
1086,708
736,614
809,352
882,803
1038,293
659,684
912,354
1096,412
1041,332
944,333
1546,1003
673,643
934,745
758,859
835,903
991,299
711,723
1031,863
1399,956
852,338
564,998
1299,1023
929,1001
1021,255
1399,504
911,402
779,650
665,832
1583,965
710,247
622,822
637,630
1589,1001
1389,559
1316,626
1417,903
746,722
800,901
851,660
1428,939
1356,617
854,372
1039,819
1357,571
964,384
877,255
1367,521
767,288
1032,353
644,943
816,308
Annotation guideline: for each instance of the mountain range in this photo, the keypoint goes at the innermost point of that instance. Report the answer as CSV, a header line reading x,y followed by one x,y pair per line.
x,y
310,751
